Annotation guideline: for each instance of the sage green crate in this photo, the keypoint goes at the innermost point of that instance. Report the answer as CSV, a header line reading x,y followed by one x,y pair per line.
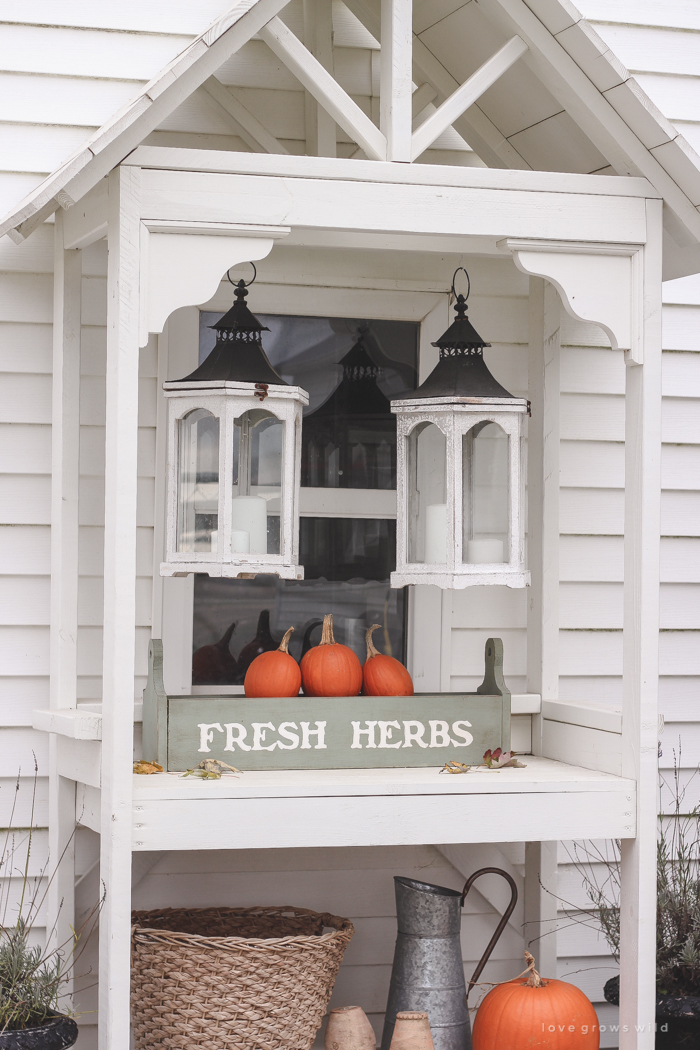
x,y
305,732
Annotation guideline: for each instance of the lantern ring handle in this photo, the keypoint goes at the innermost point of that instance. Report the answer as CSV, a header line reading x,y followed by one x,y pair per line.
x,y
469,283
246,284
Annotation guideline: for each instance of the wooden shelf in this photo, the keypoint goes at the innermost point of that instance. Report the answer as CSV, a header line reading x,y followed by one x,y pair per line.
x,y
292,808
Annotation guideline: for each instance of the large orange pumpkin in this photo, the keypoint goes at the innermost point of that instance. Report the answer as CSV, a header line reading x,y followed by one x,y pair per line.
x,y
274,673
331,669
383,675
534,1014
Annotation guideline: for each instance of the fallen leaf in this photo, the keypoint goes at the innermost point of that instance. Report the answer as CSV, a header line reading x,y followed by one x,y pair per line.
x,y
147,767
211,769
499,759
453,766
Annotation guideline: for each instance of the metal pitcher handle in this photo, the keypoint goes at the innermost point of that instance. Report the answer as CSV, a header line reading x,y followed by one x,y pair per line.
x,y
502,924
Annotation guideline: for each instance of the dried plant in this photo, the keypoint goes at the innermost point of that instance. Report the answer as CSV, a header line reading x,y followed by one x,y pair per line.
x,y
677,890
32,978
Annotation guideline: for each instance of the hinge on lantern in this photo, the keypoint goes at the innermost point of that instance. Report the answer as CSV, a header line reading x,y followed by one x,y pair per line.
x,y
261,390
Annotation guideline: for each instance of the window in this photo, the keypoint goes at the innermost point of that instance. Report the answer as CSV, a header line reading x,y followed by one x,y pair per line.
x,y
352,369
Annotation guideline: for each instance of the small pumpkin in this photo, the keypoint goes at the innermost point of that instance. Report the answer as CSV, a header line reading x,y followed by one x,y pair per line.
x,y
384,675
215,664
331,669
274,673
537,1014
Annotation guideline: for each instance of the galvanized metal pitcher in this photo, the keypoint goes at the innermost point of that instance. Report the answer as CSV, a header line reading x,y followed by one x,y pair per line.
x,y
428,973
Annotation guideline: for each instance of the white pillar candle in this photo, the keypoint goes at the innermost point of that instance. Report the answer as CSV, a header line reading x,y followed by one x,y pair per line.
x,y
240,542
484,552
249,514
436,534
214,541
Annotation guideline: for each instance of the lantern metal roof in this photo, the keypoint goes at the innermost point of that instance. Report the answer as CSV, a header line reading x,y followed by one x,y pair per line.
x,y
461,370
238,355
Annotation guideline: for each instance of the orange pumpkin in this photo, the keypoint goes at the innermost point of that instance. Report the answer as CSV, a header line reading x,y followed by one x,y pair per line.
x,y
383,675
330,669
274,673
534,1014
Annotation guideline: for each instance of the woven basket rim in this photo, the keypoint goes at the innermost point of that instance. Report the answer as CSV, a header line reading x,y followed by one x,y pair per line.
x,y
339,926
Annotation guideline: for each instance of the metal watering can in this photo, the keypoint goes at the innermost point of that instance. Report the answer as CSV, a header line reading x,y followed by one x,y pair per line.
x,y
428,973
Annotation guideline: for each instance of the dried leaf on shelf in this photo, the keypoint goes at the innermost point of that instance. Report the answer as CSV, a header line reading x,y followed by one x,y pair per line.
x,y
499,759
453,766
145,767
211,769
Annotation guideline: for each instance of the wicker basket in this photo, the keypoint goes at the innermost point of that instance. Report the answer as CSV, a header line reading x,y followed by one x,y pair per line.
x,y
233,978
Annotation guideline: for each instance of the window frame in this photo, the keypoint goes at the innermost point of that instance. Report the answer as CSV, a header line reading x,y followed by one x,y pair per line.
x,y
429,613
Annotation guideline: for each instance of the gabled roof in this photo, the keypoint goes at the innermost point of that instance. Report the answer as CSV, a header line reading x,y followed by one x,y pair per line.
x,y
578,107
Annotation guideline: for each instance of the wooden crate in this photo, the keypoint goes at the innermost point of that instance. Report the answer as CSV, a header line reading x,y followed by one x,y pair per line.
x,y
341,732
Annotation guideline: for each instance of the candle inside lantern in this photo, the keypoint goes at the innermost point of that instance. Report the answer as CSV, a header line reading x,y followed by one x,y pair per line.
x,y
436,533
483,552
249,514
214,537
240,542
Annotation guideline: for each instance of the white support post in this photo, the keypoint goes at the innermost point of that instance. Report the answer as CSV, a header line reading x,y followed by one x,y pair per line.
x,y
543,498
122,386
543,594
318,36
640,654
541,905
396,84
65,470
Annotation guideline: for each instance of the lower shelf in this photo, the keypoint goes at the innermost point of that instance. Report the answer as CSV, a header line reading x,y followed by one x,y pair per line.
x,y
547,800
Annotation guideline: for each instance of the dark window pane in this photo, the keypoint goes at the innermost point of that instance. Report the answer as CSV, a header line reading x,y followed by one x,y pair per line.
x,y
351,369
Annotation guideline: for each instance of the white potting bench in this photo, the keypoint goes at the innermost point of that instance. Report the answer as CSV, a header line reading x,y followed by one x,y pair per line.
x,y
175,220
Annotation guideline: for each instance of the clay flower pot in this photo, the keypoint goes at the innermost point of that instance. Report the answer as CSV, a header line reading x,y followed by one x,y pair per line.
x,y
349,1029
412,1032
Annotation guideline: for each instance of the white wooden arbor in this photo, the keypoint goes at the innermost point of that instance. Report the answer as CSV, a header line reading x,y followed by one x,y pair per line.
x,y
175,221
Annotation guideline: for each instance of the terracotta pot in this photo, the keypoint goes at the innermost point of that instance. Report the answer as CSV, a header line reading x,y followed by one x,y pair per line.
x,y
412,1032
349,1029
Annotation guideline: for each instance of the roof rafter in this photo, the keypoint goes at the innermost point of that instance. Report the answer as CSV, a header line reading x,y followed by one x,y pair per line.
x,y
325,89
223,101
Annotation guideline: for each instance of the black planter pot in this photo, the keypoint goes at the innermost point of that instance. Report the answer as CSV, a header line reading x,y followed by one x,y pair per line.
x,y
57,1034
677,1018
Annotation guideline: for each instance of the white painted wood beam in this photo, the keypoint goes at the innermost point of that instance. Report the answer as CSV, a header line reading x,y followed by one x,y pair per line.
x,y
482,135
396,81
318,38
121,470
641,652
422,97
65,469
543,496
540,905
319,82
466,95
223,101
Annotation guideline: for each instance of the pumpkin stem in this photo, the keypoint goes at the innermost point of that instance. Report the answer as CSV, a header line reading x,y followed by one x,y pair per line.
x,y
371,648
327,635
284,644
534,980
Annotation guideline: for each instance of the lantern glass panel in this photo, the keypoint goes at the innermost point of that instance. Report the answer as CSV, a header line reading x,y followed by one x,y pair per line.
x,y
485,488
198,482
258,442
427,495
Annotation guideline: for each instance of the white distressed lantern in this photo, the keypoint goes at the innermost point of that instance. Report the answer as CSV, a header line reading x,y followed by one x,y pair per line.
x,y
234,460
459,471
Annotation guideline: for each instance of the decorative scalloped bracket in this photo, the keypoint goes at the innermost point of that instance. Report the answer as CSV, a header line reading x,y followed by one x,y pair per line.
x,y
183,264
601,283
